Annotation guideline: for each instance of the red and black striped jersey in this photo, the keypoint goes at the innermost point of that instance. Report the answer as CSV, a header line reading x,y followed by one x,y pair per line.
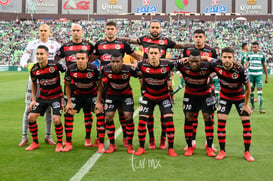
x,y
163,42
196,81
119,83
155,79
84,81
49,79
231,81
104,49
206,51
69,50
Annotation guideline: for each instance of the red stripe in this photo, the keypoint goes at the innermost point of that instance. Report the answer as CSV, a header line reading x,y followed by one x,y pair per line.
x,y
52,97
76,47
50,91
192,92
239,97
111,46
156,97
160,91
247,141
209,134
158,42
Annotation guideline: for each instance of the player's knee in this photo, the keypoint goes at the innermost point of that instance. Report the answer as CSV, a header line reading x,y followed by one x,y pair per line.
x,y
31,117
56,120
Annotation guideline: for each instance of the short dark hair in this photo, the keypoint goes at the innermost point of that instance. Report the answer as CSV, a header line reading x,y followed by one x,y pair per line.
x,y
195,52
43,47
155,21
244,45
111,23
154,46
198,31
227,50
255,43
82,51
116,54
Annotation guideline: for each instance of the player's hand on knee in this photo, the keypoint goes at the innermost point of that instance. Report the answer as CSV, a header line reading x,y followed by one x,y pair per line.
x,y
247,109
99,108
31,105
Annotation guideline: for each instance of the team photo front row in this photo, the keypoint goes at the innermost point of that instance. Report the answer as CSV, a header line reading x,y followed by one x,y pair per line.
x,y
102,91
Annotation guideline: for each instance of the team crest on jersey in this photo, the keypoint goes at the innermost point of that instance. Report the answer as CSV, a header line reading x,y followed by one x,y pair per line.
x,y
117,46
188,72
110,76
84,47
161,42
89,75
202,72
148,70
72,58
75,75
51,69
124,76
221,72
235,76
163,70
205,54
52,46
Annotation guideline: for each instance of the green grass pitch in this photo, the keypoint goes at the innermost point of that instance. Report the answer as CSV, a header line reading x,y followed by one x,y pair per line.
x,y
45,164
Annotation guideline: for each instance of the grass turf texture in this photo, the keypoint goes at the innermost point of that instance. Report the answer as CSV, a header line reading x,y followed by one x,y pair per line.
x,y
45,164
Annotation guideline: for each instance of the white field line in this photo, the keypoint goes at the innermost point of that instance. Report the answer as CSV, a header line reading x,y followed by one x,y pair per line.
x,y
95,157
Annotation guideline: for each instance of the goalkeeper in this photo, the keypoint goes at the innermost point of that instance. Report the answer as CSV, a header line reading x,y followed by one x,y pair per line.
x,y
29,55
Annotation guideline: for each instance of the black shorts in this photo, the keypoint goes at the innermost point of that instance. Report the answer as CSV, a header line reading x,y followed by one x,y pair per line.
x,y
42,105
126,102
147,106
87,103
194,103
225,105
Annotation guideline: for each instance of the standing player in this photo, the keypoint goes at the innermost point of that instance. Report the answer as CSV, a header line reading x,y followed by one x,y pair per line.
x,y
103,51
119,95
199,39
233,78
255,62
155,37
30,53
155,76
197,96
48,76
68,52
86,79
243,54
